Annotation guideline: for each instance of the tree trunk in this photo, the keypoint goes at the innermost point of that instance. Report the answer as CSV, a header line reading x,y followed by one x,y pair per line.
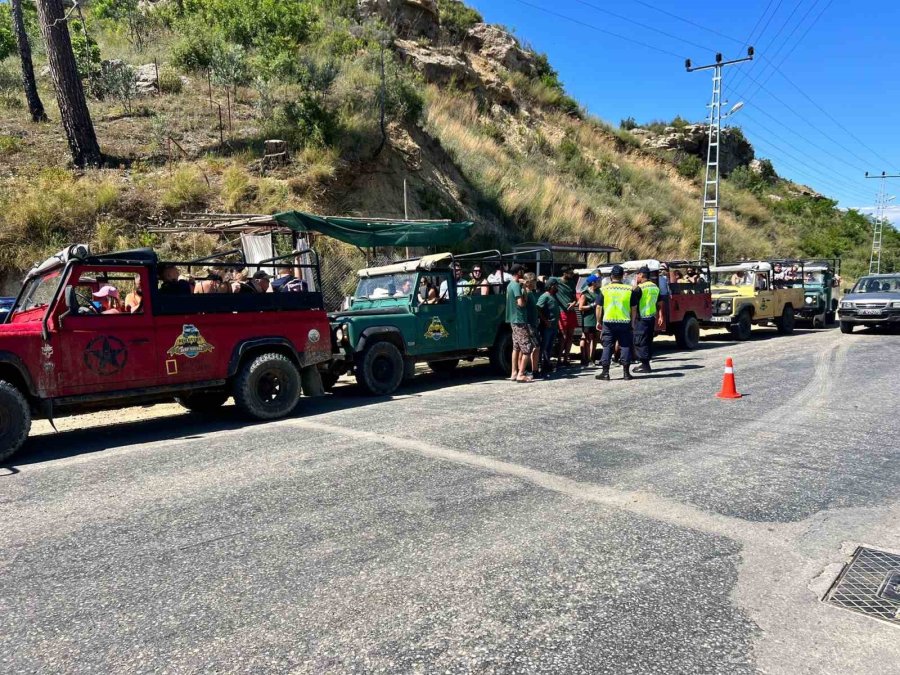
x,y
31,93
73,109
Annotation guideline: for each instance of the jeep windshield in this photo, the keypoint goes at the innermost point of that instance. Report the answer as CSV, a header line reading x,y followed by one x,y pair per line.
x,y
878,285
398,285
738,278
38,293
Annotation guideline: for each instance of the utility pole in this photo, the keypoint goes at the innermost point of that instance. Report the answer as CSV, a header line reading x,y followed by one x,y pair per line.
x,y
875,258
709,221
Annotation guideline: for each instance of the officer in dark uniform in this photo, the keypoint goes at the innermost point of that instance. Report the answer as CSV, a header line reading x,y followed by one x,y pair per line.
x,y
649,315
617,305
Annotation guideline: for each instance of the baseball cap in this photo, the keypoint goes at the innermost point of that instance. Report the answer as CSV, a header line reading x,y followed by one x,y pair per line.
x,y
618,271
106,291
592,279
644,270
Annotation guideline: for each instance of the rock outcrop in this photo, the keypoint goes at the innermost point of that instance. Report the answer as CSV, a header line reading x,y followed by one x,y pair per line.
x,y
693,139
409,18
497,45
438,66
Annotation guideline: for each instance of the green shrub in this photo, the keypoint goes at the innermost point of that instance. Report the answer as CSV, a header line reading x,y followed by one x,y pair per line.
x,y
457,18
170,81
304,121
87,54
628,124
254,22
9,145
196,46
689,166
7,38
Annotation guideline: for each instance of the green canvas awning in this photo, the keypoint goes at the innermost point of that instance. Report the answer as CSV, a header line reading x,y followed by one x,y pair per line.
x,y
367,233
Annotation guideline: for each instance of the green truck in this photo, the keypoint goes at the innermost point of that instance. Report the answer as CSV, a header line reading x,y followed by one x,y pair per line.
x,y
822,284
420,311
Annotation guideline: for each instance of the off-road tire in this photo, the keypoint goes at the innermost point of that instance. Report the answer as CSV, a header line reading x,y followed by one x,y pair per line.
x,y
846,327
444,367
744,326
501,353
267,386
15,420
687,333
203,402
379,369
785,324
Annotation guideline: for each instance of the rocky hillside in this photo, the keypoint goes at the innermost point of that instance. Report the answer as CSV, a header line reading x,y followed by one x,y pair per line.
x,y
183,96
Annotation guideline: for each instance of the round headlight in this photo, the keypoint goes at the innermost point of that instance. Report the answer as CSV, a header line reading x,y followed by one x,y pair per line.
x,y
809,300
339,335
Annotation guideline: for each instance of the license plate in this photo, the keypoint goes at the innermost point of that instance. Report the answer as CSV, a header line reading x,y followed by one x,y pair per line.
x,y
870,311
721,319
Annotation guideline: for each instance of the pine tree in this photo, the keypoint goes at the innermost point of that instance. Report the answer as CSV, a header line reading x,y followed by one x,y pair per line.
x,y
73,109
35,106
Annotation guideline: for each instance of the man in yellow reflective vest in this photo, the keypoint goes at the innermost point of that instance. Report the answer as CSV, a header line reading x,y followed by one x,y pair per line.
x,y
617,306
650,315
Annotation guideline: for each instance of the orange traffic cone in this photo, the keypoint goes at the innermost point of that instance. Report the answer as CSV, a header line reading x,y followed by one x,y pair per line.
x,y
728,388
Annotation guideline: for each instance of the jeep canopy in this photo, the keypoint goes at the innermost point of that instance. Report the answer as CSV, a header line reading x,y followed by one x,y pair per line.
x,y
375,232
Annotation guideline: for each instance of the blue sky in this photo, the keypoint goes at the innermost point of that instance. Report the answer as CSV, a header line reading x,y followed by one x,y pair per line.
x,y
821,99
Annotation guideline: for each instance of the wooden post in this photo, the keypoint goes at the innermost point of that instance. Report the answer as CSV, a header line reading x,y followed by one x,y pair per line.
x,y
209,85
221,136
156,65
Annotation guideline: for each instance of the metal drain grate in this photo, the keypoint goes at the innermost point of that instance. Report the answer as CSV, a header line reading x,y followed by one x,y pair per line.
x,y
870,585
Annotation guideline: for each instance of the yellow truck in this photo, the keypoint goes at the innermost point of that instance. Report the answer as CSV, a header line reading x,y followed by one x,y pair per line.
x,y
755,292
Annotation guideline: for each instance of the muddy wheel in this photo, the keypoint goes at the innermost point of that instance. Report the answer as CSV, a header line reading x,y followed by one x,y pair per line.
x,y
846,327
379,370
267,386
501,353
15,420
203,402
785,324
687,333
744,326
443,367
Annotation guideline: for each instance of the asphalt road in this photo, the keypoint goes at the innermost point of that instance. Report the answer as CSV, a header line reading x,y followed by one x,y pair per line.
x,y
472,525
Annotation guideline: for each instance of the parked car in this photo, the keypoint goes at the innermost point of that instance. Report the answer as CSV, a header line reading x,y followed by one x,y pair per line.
x,y
5,305
62,353
873,301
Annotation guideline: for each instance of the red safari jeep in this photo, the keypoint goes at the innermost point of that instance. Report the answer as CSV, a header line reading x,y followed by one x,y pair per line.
x,y
684,290
63,352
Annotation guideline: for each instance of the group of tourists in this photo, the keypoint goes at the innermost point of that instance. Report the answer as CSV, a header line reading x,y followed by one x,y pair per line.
x,y
621,317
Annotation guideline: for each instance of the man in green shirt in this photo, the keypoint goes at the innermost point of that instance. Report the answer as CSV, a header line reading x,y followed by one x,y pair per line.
x,y
549,310
517,316
568,319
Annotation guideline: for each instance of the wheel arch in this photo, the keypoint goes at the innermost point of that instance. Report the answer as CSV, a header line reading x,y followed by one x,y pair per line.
x,y
14,371
248,349
375,334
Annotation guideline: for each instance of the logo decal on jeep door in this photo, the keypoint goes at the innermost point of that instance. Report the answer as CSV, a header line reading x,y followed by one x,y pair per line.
x,y
190,343
105,355
436,330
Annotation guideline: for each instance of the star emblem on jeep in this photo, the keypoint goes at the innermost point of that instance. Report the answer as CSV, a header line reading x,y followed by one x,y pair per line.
x,y
105,355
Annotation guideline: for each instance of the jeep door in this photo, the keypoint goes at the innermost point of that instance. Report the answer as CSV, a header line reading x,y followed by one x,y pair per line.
x,y
99,350
437,327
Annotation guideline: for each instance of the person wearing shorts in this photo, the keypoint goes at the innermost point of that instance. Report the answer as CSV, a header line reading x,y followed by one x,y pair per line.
x,y
568,319
517,316
587,303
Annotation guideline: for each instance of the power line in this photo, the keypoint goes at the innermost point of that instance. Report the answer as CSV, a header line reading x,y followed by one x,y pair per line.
x,y
638,23
831,117
771,42
804,119
749,39
770,62
688,21
599,30
833,176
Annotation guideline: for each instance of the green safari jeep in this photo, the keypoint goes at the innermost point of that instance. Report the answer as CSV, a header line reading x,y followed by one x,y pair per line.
x,y
416,311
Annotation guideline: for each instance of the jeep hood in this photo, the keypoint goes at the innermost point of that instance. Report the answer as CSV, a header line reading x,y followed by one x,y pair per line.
x,y
878,297
371,311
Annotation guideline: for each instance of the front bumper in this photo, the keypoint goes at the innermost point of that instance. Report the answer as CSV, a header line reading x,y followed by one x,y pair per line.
x,y
884,316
